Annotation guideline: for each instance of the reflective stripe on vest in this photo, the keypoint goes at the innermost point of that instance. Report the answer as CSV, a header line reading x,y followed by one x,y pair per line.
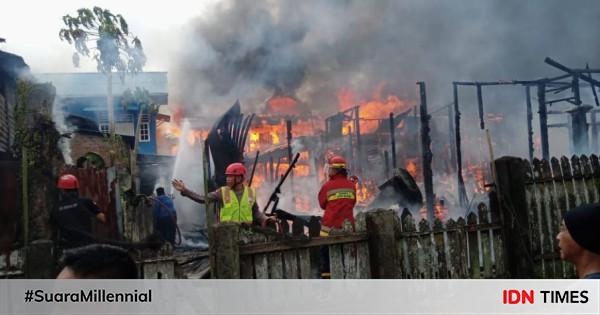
x,y
341,193
234,210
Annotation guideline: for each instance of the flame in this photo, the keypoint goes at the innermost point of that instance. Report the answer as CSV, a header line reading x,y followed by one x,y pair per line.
x,y
171,132
411,168
370,111
365,192
494,117
476,174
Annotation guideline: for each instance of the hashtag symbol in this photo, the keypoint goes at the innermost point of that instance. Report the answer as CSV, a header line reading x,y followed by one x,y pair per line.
x,y
28,295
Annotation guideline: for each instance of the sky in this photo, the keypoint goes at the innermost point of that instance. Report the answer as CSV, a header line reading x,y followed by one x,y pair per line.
x,y
31,29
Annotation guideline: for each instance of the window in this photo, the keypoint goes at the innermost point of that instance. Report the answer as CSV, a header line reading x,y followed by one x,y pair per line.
x,y
103,127
145,129
103,122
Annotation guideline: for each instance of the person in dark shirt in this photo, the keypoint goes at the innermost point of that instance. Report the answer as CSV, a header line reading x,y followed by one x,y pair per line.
x,y
579,240
165,216
97,261
74,214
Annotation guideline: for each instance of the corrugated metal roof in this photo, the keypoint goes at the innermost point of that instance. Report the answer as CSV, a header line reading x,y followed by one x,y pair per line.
x,y
94,83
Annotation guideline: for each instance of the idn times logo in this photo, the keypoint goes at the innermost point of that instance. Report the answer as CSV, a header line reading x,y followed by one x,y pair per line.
x,y
515,296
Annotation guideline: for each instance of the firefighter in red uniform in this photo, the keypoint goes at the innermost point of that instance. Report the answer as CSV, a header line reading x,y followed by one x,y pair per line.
x,y
338,195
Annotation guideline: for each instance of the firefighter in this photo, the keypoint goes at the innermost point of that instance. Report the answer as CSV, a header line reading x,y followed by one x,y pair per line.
x,y
165,216
74,214
338,195
237,201
579,240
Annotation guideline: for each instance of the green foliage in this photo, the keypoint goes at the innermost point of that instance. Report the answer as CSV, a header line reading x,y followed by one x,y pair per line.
x,y
112,45
119,153
140,97
35,131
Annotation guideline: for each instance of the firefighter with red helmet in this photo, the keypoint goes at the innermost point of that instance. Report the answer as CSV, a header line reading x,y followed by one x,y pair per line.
x,y
338,195
74,214
237,201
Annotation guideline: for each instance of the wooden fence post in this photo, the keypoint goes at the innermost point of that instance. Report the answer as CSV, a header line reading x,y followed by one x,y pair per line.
x,y
227,252
515,221
385,261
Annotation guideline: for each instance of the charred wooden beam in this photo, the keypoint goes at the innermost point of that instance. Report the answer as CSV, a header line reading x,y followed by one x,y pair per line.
x,y
426,152
594,132
580,127
575,87
393,140
480,107
462,192
529,123
566,99
357,166
451,143
288,125
587,66
580,72
543,120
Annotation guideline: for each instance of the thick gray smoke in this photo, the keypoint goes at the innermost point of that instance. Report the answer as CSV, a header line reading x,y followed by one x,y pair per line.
x,y
250,49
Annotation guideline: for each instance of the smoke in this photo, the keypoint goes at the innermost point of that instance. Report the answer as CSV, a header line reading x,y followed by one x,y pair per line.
x,y
64,144
313,48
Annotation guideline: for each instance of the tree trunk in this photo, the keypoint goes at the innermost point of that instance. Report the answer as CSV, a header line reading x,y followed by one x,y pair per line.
x,y
109,104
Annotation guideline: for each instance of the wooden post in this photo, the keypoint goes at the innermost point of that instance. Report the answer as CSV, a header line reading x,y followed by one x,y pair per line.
x,y
25,192
385,261
462,192
594,132
529,123
480,107
426,152
288,124
351,148
393,140
357,166
510,187
580,141
227,252
543,120
451,139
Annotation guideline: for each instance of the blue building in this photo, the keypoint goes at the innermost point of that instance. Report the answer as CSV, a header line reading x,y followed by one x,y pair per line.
x,y
82,98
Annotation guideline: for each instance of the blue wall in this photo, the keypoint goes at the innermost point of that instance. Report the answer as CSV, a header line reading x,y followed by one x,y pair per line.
x,y
92,107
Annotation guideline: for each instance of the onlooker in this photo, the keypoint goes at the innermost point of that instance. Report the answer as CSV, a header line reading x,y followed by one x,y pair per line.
x,y
579,240
165,216
97,261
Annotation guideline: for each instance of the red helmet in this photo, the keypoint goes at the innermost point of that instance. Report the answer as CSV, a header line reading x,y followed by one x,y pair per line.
x,y
337,161
68,181
236,169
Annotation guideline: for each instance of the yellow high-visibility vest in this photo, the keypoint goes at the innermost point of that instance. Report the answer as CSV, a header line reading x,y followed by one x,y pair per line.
x,y
235,210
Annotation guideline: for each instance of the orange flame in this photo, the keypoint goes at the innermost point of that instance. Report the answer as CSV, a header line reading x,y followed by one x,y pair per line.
x,y
411,167
372,111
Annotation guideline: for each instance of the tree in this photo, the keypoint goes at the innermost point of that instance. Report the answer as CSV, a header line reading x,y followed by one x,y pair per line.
x,y
104,37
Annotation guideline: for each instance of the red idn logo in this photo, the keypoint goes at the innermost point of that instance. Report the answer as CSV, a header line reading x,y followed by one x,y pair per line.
x,y
516,297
